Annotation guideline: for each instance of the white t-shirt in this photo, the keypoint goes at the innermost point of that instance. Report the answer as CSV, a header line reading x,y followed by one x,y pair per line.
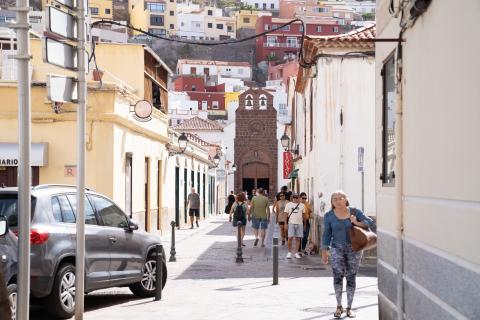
x,y
296,217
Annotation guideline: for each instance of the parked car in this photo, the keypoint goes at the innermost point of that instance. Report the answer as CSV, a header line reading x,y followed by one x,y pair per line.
x,y
8,263
117,253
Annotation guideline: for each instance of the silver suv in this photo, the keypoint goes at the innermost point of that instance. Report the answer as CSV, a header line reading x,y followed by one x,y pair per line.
x,y
117,253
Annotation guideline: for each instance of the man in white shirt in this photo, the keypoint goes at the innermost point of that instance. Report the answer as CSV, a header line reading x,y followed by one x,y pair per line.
x,y
294,211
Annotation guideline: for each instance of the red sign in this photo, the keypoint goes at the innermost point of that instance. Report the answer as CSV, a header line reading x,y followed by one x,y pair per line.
x,y
287,164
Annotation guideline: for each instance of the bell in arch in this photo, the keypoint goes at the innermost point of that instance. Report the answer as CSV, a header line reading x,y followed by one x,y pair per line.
x,y
263,102
249,103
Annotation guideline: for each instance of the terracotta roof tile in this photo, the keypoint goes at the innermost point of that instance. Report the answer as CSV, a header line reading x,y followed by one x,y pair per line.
x,y
197,123
200,141
216,63
361,37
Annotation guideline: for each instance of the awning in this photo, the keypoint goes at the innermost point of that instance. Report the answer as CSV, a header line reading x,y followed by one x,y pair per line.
x,y
9,154
293,174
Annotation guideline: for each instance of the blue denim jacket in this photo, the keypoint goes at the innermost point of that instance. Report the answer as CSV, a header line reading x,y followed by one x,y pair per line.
x,y
335,231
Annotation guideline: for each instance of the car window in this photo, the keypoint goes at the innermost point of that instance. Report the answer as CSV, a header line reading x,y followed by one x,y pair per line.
x,y
111,215
57,212
67,211
8,208
89,213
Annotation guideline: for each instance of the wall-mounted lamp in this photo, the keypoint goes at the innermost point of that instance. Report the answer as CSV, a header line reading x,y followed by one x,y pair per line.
x,y
234,167
216,160
182,145
285,141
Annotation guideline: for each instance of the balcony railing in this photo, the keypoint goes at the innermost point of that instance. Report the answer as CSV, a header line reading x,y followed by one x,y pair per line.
x,y
281,45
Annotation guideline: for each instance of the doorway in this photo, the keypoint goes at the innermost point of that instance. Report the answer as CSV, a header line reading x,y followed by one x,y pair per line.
x,y
177,197
256,175
159,195
147,194
128,185
185,186
248,184
264,184
8,176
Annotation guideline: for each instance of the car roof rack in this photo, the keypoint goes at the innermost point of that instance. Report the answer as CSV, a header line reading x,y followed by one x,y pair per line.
x,y
44,186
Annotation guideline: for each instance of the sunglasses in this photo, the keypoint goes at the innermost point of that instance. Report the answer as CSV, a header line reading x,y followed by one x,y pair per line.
x,y
295,197
304,198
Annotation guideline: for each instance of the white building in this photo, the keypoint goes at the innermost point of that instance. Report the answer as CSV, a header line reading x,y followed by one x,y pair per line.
x,y
428,198
268,5
191,25
181,108
362,7
238,70
333,117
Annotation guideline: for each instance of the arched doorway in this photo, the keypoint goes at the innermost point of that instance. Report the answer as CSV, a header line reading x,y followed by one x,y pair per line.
x,y
255,175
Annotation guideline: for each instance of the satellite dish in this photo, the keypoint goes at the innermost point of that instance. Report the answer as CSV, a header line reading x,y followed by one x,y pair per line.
x,y
142,111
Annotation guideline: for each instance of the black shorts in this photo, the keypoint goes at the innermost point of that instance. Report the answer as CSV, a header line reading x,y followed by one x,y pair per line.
x,y
282,223
194,212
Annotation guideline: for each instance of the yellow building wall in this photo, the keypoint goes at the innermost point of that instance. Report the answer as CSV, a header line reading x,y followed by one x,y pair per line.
x,y
230,97
139,17
250,14
102,6
171,6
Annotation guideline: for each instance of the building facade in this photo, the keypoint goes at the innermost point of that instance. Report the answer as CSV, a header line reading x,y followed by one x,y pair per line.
x,y
428,181
256,143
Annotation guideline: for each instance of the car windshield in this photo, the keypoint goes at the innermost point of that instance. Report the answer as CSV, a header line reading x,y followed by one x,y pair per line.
x,y
8,208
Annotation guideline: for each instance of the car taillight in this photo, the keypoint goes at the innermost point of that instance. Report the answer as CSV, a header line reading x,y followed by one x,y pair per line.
x,y
38,237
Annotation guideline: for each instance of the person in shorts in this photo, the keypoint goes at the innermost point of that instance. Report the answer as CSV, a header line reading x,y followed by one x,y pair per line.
x,y
260,211
241,201
193,203
279,209
294,211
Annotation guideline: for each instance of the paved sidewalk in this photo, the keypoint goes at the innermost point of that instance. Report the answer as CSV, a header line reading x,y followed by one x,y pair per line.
x,y
206,283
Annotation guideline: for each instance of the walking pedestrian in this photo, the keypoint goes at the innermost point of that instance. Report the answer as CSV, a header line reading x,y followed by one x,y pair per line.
x,y
345,262
307,215
193,203
231,200
239,213
294,211
251,195
284,190
260,212
281,216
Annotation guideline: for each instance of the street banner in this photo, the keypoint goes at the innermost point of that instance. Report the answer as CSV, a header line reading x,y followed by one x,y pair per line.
x,y
287,164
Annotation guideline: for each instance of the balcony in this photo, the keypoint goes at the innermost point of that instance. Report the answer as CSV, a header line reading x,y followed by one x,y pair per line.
x,y
281,45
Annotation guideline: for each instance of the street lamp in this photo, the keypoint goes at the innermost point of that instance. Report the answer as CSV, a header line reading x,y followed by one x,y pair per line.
x,y
285,141
234,167
182,145
216,160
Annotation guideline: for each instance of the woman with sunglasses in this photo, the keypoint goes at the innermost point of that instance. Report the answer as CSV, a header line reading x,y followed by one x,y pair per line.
x,y
281,216
345,262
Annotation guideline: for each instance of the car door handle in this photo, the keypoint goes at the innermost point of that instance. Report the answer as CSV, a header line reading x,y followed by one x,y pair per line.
x,y
112,239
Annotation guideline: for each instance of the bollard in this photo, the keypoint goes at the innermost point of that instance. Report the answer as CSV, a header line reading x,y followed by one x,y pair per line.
x,y
158,272
239,242
275,261
172,245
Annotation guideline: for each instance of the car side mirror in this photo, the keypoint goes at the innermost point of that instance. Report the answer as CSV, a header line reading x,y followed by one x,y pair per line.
x,y
3,226
132,225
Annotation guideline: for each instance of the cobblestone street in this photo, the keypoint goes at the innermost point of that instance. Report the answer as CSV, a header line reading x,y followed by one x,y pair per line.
x,y
206,283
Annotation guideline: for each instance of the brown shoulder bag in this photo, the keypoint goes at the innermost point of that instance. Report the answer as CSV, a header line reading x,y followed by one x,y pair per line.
x,y
362,239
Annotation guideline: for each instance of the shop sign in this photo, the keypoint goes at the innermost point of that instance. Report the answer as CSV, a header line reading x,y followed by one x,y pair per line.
x,y
8,162
287,164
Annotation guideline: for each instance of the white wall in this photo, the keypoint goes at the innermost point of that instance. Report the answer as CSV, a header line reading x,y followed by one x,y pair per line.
x,y
235,72
193,25
260,3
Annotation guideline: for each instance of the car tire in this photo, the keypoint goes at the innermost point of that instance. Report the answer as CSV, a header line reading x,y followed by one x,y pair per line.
x,y
61,301
12,298
146,287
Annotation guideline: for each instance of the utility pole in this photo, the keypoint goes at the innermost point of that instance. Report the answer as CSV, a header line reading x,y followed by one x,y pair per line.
x,y
24,174
68,23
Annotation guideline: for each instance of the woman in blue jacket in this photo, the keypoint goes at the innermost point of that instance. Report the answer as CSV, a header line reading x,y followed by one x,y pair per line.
x,y
345,262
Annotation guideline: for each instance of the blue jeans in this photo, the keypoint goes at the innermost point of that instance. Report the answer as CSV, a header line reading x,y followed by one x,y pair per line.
x,y
306,231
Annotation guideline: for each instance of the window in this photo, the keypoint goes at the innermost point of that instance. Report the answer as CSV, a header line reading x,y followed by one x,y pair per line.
x,y
161,32
57,212
172,13
256,5
388,143
110,214
249,102
210,25
107,11
94,11
197,25
271,41
156,20
210,12
246,20
67,211
286,28
182,24
300,28
319,29
229,28
172,26
193,70
292,42
272,6
320,10
263,102
194,88
214,104
219,26
335,29
347,15
89,214
336,15
264,6
155,7
267,27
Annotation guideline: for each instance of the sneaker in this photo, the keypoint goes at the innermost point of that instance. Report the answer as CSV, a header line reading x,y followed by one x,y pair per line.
x,y
298,255
197,225
350,313
191,227
255,243
289,255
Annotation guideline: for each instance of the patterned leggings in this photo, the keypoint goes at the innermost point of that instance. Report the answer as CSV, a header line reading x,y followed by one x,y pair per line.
x,y
345,263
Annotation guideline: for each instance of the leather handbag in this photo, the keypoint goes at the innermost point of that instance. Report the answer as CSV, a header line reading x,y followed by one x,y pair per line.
x,y
362,239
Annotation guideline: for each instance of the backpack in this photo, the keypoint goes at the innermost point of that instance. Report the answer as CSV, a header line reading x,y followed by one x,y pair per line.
x,y
238,213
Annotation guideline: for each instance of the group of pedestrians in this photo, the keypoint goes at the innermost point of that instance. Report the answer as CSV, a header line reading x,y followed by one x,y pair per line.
x,y
293,215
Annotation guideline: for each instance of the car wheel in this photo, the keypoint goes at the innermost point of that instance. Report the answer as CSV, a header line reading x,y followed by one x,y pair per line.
x,y
12,298
146,287
61,301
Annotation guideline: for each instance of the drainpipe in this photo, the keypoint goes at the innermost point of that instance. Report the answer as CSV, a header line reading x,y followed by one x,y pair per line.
x,y
399,183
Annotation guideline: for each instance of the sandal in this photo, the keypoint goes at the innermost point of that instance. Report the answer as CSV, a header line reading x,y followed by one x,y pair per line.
x,y
350,313
338,312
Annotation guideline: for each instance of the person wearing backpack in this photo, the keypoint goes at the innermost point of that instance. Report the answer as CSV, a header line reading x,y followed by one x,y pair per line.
x,y
239,213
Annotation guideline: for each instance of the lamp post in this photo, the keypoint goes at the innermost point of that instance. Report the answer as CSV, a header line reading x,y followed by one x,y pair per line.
x,y
285,141
182,145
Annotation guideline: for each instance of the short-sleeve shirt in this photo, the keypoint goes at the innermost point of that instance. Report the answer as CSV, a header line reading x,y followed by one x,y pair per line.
x,y
194,200
295,216
260,205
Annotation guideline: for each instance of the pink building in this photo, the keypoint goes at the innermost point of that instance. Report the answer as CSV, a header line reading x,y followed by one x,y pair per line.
x,y
282,71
